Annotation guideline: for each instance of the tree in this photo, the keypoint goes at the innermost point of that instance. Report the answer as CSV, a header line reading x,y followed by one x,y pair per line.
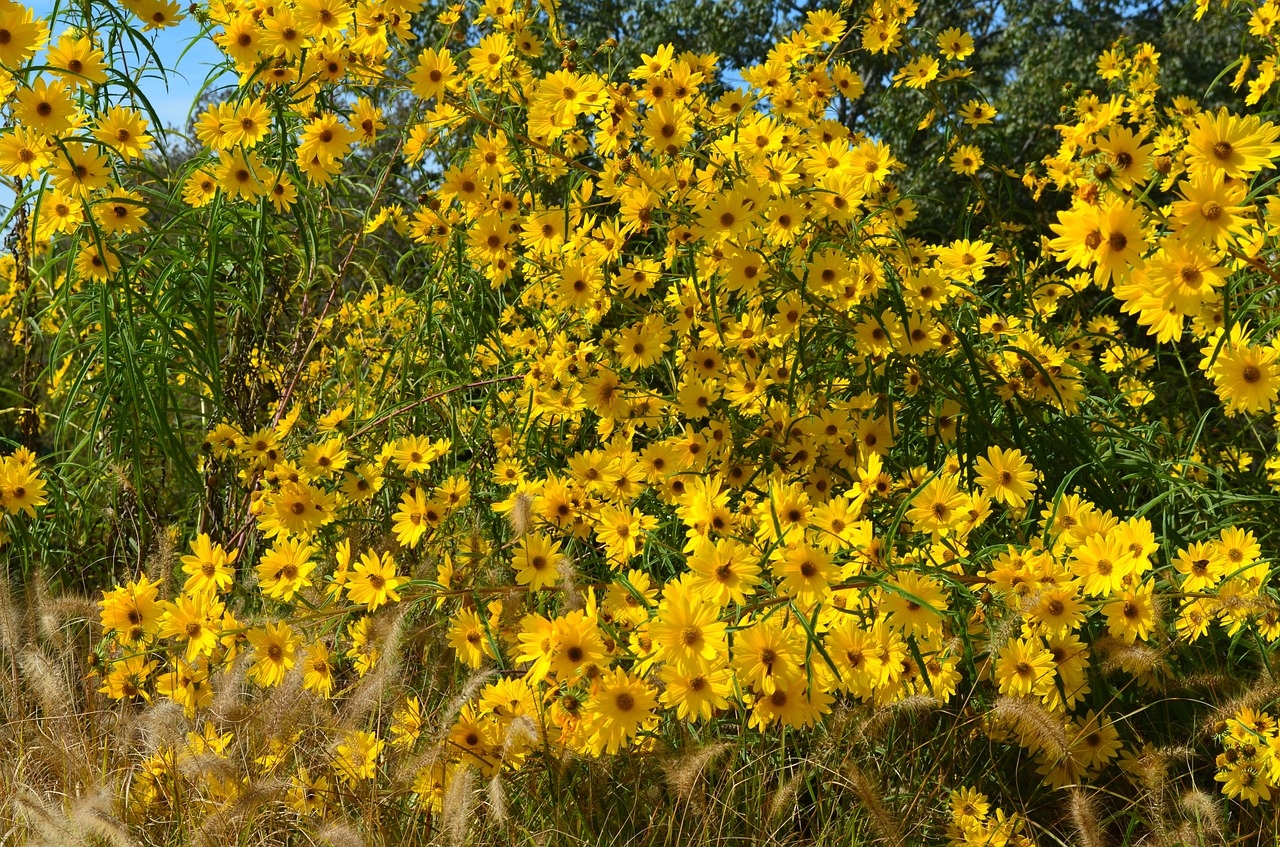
x,y
1032,57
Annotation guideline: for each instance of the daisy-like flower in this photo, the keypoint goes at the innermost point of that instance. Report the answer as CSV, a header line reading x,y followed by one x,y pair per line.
x,y
1228,145
914,603
1024,668
621,705
1101,562
537,562
317,672
938,506
22,489
1245,377
468,638
768,656
23,152
195,621
805,573
1006,476
687,631
1131,614
286,568
125,130
274,651
373,580
725,571
357,756
208,567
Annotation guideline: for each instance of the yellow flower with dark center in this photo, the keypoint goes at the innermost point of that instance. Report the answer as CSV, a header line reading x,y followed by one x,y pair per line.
x,y
1006,476
121,212
576,645
1211,210
622,703
132,611
1222,144
242,175
373,580
208,567
124,130
537,562
274,652
23,153
285,569
1057,611
1024,668
914,603
196,621
687,632
317,673
768,656
357,756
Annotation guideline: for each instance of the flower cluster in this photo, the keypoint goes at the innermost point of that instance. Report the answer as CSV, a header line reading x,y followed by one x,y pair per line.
x,y
703,437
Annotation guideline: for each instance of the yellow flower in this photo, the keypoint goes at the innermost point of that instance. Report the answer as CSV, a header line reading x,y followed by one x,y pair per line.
x,y
121,212
914,603
1245,376
1101,562
724,571
805,573
326,138
469,639
966,160
1024,668
317,674
955,44
97,262
1222,144
242,174
537,562
1006,475
46,107
200,188
125,130
622,532
357,756
127,678
1211,210
76,61
1131,614
489,57
208,567
917,73
695,695
768,656
22,489
194,620
246,126
373,580
687,631
274,650
622,703
23,153
285,569
976,113
411,519
938,506
433,74
1057,610
323,19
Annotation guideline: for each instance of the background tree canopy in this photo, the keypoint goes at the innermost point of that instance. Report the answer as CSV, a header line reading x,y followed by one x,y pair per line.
x,y
1032,58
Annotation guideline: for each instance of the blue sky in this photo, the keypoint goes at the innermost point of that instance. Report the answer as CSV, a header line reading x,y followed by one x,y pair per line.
x,y
187,57
173,95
